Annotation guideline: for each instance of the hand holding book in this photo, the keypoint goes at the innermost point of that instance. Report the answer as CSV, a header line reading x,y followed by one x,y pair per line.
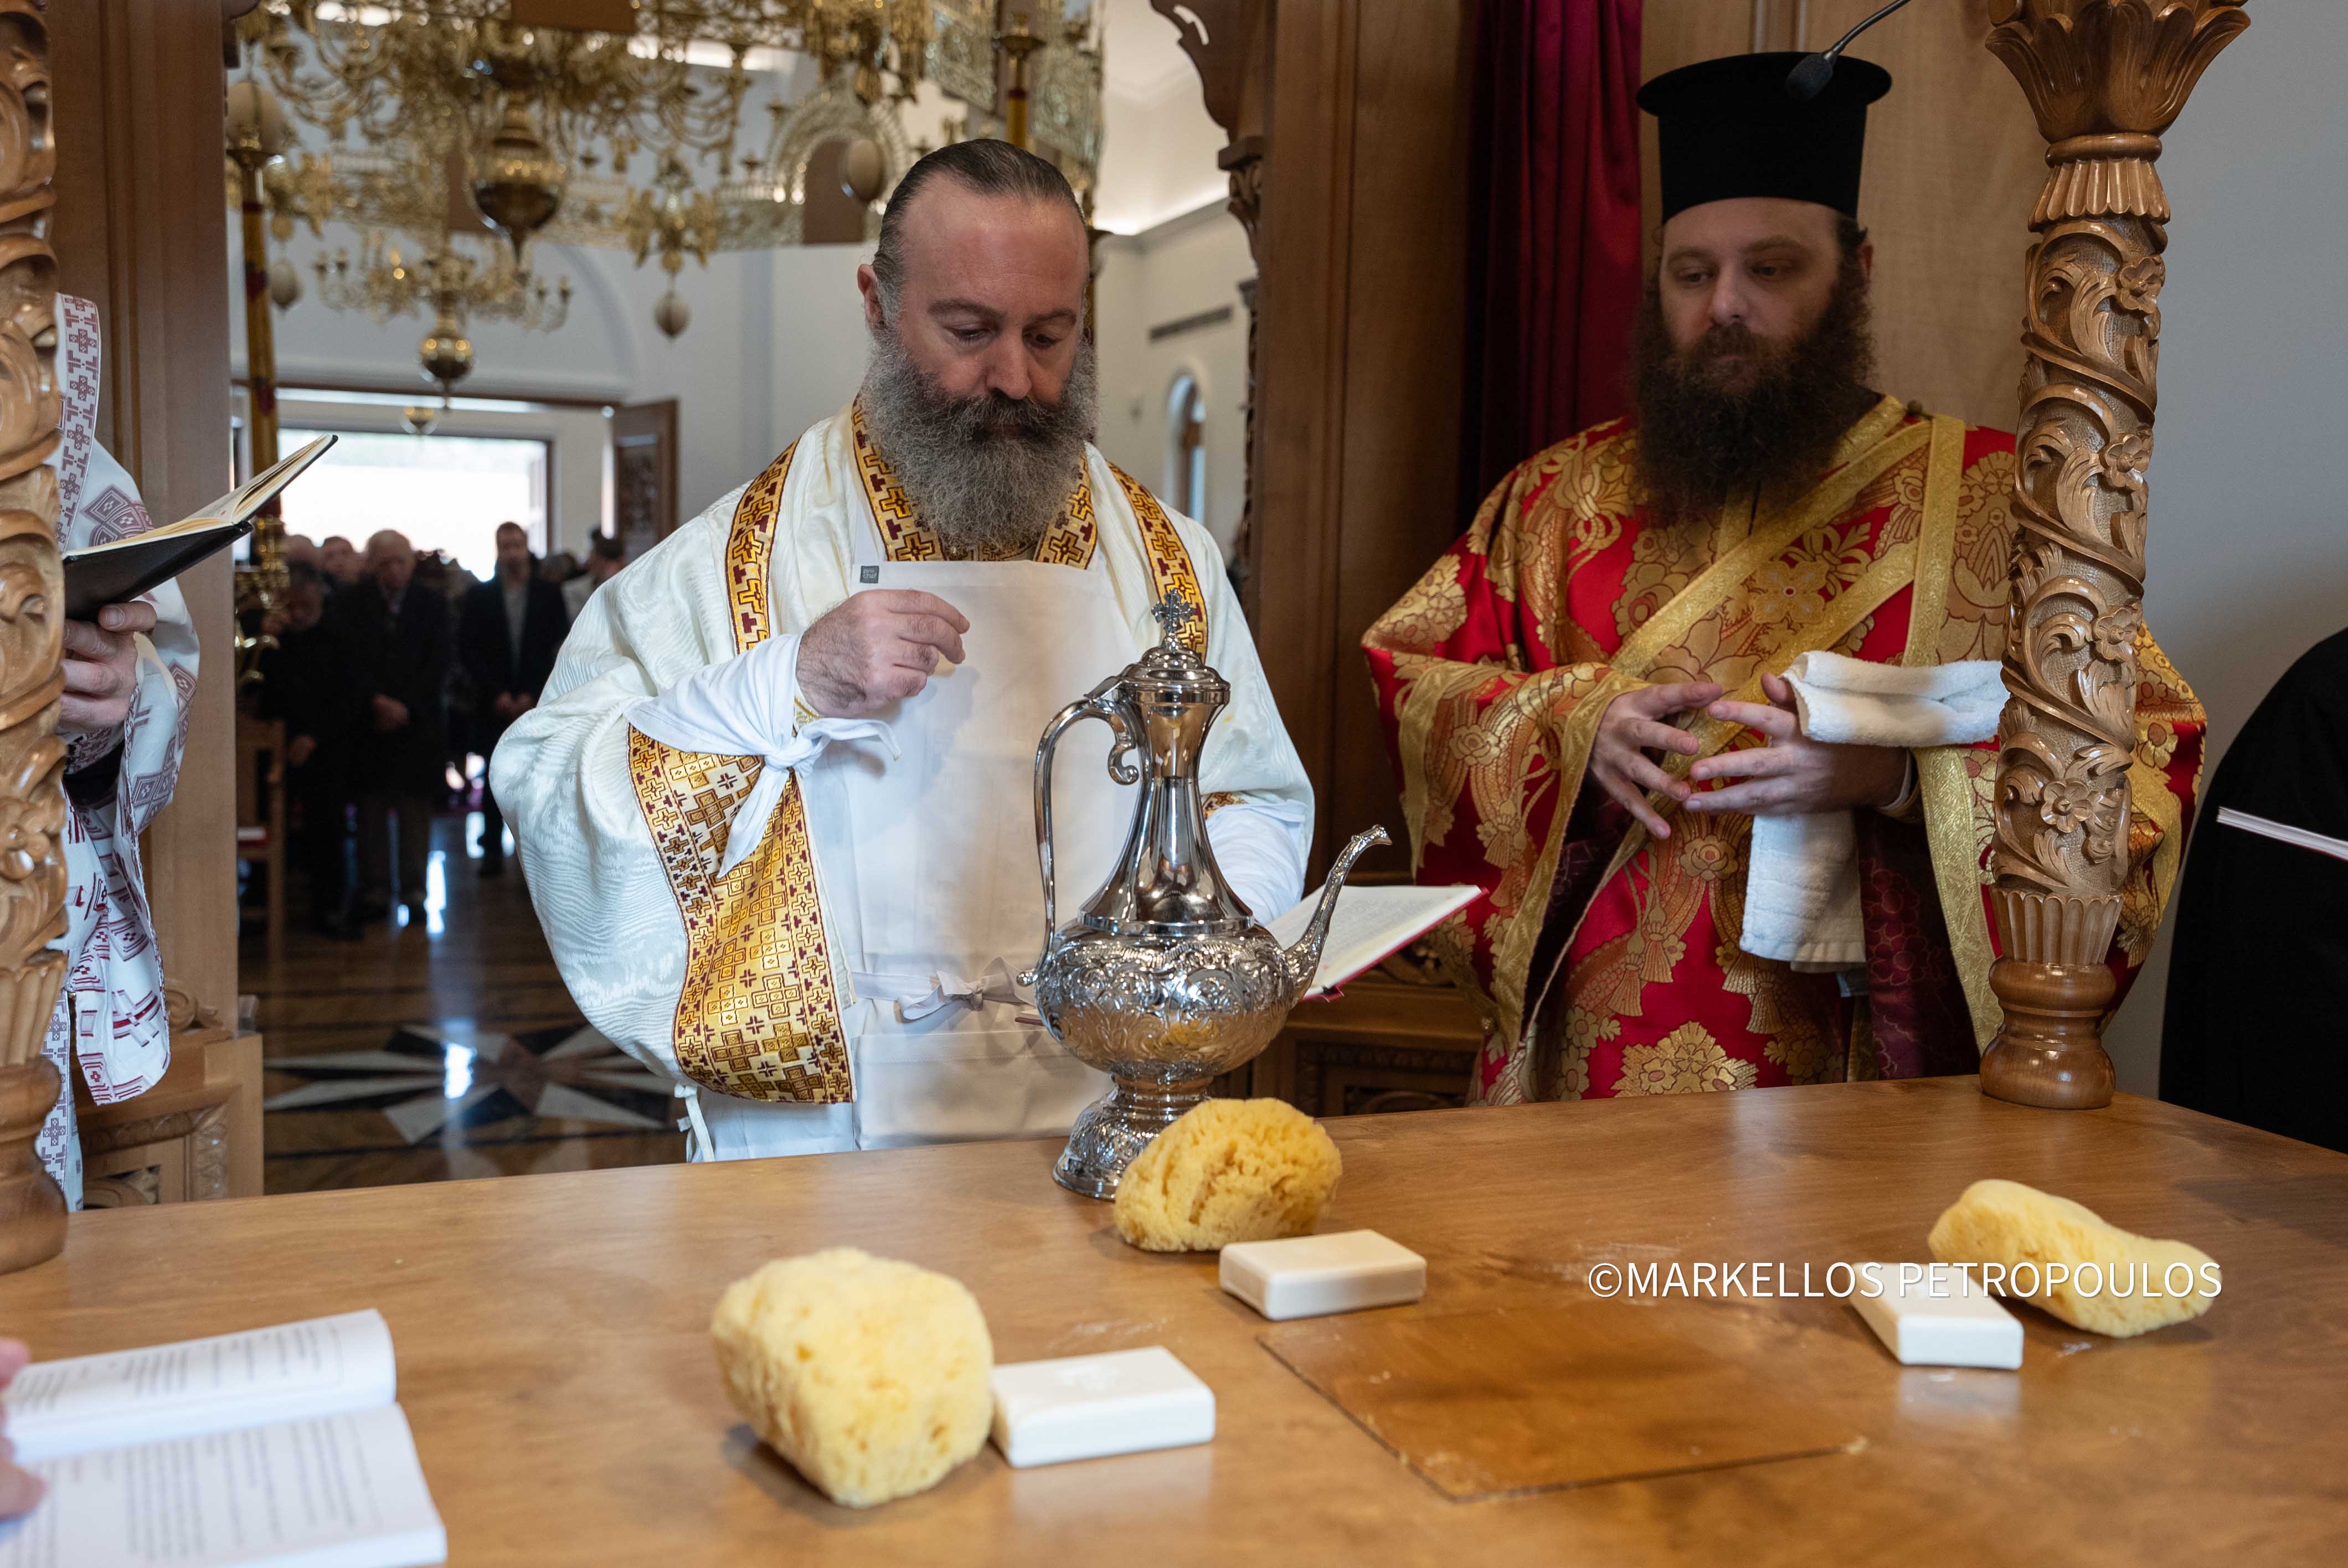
x,y
102,668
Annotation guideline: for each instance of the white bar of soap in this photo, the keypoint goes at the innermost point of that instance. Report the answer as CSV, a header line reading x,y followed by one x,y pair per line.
x,y
1961,1325
1312,1276
1088,1407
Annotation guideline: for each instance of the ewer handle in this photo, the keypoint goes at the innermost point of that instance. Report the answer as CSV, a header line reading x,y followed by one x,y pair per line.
x,y
1106,703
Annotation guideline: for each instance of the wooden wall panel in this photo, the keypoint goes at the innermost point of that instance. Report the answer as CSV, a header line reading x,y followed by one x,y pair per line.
x,y
1301,372
142,229
1363,300
1405,366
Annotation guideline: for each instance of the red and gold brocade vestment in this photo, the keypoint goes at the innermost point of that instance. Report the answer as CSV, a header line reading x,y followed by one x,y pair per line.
x,y
1604,962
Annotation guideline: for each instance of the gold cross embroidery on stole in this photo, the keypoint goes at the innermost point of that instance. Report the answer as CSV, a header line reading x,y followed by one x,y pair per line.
x,y
757,1016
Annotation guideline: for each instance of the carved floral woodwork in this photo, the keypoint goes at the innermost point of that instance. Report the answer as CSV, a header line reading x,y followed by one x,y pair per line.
x,y
181,1156
2104,78
32,631
185,1010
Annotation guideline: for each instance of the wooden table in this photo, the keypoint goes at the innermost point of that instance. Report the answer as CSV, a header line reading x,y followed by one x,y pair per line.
x,y
553,1358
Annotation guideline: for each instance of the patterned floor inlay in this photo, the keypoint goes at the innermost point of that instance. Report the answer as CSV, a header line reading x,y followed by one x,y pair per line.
x,y
441,1050
434,1080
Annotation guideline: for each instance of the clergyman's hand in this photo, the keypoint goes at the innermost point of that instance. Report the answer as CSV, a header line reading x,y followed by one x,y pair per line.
x,y
102,668
1793,775
1631,727
877,648
20,1489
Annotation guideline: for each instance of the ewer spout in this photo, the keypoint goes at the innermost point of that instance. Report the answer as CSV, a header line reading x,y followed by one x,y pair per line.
x,y
1305,956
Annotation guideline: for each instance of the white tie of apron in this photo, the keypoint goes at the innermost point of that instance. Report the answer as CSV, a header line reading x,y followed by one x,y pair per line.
x,y
1801,903
916,997
745,707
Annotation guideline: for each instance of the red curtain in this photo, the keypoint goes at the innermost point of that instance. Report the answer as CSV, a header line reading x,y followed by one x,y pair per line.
x,y
1554,266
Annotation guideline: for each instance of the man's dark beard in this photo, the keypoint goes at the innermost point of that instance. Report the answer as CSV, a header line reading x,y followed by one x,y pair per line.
x,y
1701,444
989,473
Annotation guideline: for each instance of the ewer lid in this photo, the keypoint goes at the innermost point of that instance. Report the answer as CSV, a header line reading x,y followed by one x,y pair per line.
x,y
1170,673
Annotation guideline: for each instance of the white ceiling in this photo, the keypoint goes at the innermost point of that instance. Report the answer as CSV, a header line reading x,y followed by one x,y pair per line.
x,y
1143,58
1157,160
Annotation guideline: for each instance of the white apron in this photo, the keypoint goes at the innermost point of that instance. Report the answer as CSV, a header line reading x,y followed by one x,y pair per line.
x,y
928,864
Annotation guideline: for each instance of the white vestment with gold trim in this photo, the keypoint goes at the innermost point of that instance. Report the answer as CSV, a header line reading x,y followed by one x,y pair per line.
x,y
765,975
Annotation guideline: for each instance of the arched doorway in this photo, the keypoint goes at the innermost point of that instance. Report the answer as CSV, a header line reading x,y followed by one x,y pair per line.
x,y
1186,457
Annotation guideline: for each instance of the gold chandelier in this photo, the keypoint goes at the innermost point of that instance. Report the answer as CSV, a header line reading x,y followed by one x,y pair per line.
x,y
454,286
534,113
525,103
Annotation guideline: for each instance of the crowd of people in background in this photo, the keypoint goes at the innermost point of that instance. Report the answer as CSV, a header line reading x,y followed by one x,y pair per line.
x,y
394,672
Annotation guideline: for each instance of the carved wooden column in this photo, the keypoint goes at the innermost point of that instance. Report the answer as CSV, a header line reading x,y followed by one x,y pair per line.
x,y
2104,78
32,632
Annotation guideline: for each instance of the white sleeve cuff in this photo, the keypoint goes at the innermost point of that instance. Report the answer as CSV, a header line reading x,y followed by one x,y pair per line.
x,y
738,707
1261,850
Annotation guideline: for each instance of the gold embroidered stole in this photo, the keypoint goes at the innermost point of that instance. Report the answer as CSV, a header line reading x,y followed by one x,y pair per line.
x,y
1170,571
1069,541
757,1016
1876,443
1942,776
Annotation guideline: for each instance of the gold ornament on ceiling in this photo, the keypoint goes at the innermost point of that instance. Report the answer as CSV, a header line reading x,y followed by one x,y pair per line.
x,y
453,286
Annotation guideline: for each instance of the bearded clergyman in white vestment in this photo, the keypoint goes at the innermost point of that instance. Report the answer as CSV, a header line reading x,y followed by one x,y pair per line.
x,y
776,803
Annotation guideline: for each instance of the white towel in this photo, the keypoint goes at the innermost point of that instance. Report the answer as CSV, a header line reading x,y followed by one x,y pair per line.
x,y
743,706
1801,896
1851,701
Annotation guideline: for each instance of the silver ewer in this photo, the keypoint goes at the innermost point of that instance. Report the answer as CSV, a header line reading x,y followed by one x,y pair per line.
x,y
1165,979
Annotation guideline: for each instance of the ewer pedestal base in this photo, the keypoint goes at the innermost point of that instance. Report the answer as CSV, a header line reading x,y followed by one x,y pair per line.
x,y
1116,1128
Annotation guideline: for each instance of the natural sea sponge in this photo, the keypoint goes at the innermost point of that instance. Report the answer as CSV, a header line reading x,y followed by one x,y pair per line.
x,y
2132,1284
1228,1171
869,1375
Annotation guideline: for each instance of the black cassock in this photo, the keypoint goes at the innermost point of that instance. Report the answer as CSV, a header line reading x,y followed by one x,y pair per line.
x,y
2257,1026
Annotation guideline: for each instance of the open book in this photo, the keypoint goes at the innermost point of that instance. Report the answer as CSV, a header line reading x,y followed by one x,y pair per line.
x,y
121,569
1370,922
278,1447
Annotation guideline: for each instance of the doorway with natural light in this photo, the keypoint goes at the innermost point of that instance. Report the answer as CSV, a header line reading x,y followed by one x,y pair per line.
x,y
447,494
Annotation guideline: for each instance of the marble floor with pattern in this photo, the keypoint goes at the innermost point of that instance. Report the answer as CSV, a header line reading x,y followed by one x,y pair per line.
x,y
440,1049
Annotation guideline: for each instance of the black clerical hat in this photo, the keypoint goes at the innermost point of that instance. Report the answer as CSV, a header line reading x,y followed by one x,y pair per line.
x,y
1727,128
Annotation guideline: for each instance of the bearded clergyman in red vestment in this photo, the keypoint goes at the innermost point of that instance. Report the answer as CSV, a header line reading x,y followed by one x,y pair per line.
x,y
1584,696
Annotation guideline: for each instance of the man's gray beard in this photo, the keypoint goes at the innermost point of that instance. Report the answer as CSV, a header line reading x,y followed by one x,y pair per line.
x,y
986,473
